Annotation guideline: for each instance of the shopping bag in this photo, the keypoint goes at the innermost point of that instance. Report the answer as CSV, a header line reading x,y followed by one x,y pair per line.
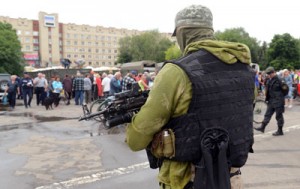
x,y
4,100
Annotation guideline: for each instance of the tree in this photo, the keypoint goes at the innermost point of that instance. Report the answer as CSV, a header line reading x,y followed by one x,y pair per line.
x,y
150,45
11,60
241,36
283,52
173,53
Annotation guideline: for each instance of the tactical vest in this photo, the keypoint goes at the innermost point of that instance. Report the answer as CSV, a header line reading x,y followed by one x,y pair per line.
x,y
222,96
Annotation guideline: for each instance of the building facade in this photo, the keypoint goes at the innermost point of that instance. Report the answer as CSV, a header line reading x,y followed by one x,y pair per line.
x,y
46,41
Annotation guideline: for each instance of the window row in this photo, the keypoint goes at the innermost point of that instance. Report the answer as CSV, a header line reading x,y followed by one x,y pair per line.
x,y
115,51
83,43
92,37
104,57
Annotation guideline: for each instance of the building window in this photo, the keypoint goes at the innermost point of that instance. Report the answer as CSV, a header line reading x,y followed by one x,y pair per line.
x,y
68,43
35,41
97,50
75,55
75,36
68,35
27,32
35,33
75,43
83,56
19,32
90,56
116,51
89,50
27,48
82,42
35,48
69,56
27,40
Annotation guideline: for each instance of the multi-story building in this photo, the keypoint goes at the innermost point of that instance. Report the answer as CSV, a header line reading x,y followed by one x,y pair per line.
x,y
46,41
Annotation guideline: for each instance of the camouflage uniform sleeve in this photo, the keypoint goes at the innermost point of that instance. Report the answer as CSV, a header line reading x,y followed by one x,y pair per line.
x,y
169,97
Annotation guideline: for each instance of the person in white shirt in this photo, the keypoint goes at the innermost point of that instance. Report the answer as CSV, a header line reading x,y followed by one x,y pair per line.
x,y
105,85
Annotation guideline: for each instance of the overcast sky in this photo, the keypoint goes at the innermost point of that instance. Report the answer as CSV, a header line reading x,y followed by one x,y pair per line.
x,y
261,19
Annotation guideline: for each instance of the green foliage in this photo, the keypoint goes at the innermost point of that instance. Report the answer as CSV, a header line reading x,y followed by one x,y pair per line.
x,y
241,36
173,53
10,50
150,45
283,52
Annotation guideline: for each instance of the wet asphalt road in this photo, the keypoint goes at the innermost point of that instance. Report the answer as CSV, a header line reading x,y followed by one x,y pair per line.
x,y
51,150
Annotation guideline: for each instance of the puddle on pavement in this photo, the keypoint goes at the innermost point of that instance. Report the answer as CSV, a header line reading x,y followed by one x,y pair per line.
x,y
17,126
40,119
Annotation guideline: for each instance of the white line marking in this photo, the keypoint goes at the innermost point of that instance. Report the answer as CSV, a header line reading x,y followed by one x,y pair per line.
x,y
126,170
96,177
269,133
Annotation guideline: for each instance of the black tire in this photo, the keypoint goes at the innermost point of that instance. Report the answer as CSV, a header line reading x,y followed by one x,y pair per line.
x,y
97,106
259,111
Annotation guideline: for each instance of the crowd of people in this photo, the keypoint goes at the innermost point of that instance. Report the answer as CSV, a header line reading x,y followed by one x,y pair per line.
x,y
83,88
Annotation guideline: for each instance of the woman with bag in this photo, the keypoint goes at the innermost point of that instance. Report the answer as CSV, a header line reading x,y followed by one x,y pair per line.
x,y
12,90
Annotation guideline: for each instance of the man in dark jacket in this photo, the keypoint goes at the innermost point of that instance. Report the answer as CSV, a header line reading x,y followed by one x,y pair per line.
x,y
275,100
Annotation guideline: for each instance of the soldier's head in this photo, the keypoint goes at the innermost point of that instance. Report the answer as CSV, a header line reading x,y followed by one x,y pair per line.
x,y
270,71
193,23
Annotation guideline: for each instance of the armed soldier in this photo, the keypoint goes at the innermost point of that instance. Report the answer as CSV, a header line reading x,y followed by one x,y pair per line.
x,y
211,86
275,100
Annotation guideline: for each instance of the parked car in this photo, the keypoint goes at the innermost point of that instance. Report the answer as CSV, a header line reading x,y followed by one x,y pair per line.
x,y
4,78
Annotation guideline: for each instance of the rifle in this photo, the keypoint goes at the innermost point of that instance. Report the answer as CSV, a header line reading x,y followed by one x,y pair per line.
x,y
119,108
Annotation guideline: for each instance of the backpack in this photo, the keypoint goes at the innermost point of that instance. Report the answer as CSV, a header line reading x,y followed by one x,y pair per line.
x,y
284,88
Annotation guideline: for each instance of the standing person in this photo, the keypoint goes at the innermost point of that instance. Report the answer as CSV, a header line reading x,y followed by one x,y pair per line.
x,y
12,90
20,95
115,84
87,89
40,84
275,100
67,85
27,88
57,88
289,81
99,86
209,90
143,82
78,87
105,85
127,80
94,85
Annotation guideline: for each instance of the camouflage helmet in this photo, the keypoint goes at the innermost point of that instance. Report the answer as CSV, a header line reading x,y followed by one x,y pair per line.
x,y
194,15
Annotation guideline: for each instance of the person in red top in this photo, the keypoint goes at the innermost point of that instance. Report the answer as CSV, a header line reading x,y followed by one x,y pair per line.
x,y
99,86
